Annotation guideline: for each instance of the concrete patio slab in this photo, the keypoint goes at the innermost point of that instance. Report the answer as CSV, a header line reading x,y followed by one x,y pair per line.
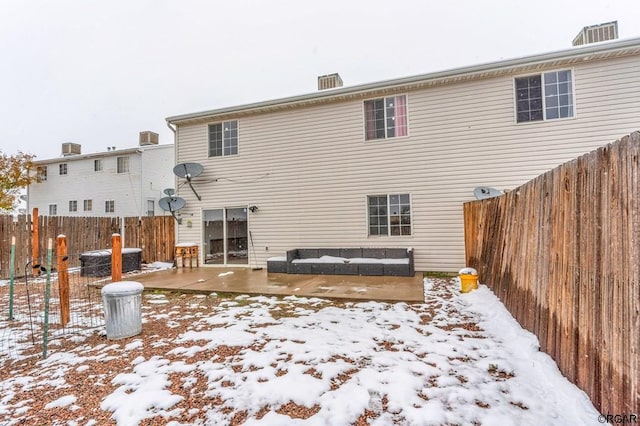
x,y
248,281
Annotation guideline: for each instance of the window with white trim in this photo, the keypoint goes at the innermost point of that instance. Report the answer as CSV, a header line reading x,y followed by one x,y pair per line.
x,y
389,214
123,164
150,207
53,209
41,173
546,96
62,168
385,118
223,139
97,165
88,205
109,206
73,205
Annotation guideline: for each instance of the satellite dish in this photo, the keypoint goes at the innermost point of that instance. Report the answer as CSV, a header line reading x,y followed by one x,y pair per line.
x,y
484,192
189,171
169,191
172,204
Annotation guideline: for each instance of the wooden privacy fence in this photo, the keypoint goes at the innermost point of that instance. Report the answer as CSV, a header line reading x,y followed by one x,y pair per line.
x,y
155,235
563,254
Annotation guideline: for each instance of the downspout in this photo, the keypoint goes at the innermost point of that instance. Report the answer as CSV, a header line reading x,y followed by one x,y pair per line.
x,y
175,151
175,161
142,197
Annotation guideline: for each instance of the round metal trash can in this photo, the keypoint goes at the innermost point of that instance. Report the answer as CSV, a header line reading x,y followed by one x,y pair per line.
x,y
122,302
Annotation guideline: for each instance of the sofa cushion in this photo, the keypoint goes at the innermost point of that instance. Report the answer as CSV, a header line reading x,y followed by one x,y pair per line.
x,y
307,253
374,253
350,252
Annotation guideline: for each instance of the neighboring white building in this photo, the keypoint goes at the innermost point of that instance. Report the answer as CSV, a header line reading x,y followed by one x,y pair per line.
x,y
118,182
390,164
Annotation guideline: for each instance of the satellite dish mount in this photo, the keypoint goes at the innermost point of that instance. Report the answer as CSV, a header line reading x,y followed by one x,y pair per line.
x,y
172,204
188,171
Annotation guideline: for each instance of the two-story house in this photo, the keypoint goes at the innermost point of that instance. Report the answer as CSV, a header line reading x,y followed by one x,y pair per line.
x,y
117,182
390,164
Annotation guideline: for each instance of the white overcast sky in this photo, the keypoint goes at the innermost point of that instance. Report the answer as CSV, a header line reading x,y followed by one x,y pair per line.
x,y
99,72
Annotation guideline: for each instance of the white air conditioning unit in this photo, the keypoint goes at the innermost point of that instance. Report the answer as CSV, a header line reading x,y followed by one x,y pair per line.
x,y
69,148
597,33
148,138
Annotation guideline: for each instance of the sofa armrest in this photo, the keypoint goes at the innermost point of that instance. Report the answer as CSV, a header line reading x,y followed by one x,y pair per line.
x,y
292,255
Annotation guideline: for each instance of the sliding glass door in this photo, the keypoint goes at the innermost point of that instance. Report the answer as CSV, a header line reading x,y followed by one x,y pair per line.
x,y
225,234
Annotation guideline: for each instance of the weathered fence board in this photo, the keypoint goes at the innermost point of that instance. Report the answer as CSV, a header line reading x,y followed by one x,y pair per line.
x,y
562,253
155,235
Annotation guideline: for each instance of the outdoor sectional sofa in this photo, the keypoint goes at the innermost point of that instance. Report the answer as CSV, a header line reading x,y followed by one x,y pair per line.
x,y
345,261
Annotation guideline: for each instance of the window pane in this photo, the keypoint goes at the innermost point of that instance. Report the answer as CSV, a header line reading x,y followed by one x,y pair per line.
x,y
536,115
122,164
558,94
536,104
563,88
374,119
551,78
215,140
551,90
564,75
529,98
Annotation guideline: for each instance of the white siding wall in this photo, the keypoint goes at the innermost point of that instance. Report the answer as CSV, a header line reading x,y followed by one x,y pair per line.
x,y
157,175
83,183
309,170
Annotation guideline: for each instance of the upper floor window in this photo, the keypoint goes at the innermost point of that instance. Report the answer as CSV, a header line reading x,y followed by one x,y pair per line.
x,y
123,164
73,206
109,206
223,139
544,96
53,209
63,168
385,117
97,165
88,205
389,214
41,173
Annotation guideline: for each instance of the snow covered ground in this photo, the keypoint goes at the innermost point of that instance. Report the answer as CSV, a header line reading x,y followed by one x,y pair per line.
x,y
215,359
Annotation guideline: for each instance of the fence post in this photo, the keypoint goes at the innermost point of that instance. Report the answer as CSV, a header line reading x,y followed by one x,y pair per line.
x,y
35,246
12,272
63,278
116,258
47,294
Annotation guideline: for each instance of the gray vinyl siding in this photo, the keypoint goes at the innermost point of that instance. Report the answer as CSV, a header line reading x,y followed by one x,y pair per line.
x,y
309,169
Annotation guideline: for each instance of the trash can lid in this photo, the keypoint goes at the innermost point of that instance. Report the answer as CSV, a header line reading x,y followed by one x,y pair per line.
x,y
467,271
123,288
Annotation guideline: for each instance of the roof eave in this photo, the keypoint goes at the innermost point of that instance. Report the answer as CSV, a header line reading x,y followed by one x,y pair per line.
x,y
587,52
